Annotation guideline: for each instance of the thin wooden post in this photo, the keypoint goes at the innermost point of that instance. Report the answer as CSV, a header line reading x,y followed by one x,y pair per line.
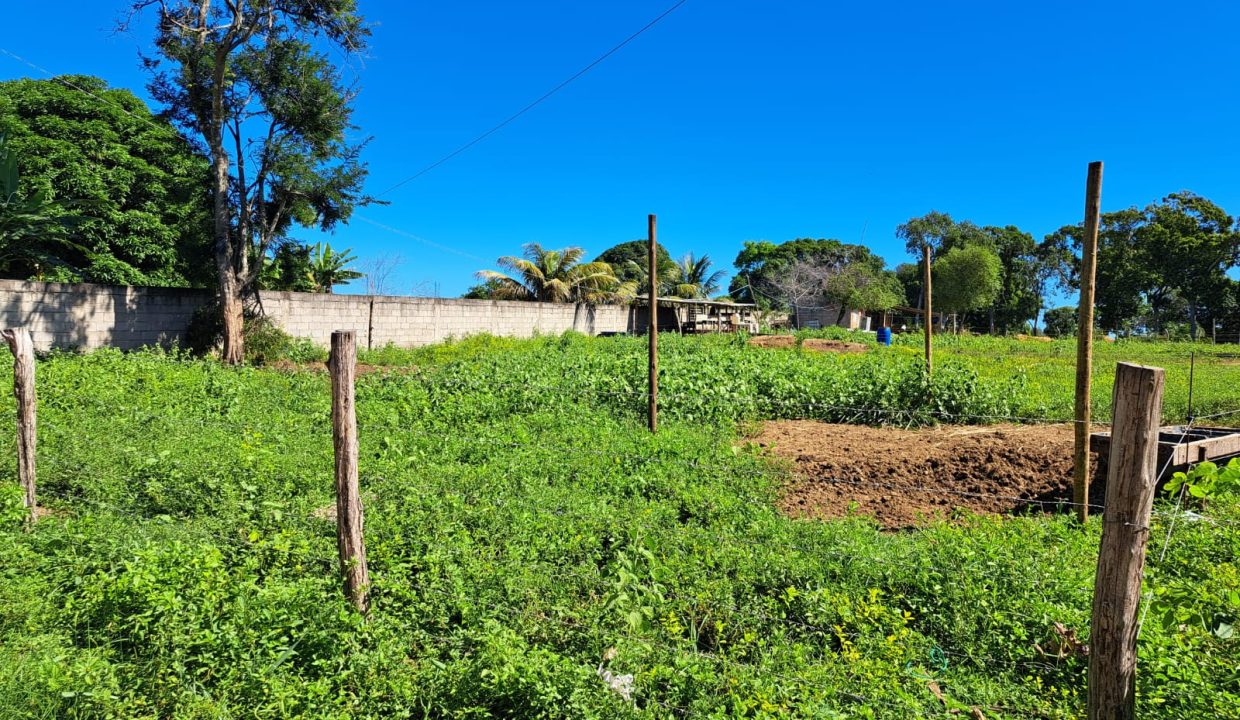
x,y
349,539
929,319
22,347
653,329
1085,341
1131,477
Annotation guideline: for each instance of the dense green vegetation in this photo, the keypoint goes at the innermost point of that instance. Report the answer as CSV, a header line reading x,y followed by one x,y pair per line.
x,y
134,190
524,531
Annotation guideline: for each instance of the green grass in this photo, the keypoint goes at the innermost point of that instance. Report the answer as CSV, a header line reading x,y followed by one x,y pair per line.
x,y
520,523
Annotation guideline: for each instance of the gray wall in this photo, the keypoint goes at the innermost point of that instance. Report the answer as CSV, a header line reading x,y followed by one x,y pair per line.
x,y
90,316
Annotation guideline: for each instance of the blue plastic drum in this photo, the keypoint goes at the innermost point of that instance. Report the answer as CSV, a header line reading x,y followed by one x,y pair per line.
x,y
884,336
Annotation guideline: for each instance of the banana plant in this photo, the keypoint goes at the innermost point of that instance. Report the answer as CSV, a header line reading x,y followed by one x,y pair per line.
x,y
329,268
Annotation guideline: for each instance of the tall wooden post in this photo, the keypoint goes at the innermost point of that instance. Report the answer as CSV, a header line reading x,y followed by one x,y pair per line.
x,y
929,319
349,540
1131,477
1085,340
653,329
22,346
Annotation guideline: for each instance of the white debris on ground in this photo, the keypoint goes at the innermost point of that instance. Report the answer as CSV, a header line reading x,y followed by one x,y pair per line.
x,y
622,685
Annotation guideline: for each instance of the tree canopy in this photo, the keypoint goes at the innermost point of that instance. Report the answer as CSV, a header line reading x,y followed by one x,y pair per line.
x,y
134,190
1164,264
760,263
966,278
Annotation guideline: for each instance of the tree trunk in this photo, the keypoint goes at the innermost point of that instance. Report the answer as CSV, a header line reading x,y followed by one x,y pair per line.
x,y
839,318
1192,320
229,283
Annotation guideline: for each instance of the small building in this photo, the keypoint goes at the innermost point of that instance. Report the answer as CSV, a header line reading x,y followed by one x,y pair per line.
x,y
820,316
692,316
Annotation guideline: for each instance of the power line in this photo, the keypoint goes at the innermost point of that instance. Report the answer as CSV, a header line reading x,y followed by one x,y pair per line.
x,y
535,103
60,79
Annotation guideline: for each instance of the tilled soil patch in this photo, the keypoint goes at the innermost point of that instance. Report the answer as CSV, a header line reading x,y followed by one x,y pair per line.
x,y
814,344
905,478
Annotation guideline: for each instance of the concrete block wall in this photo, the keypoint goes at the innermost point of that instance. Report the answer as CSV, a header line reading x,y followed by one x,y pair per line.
x,y
87,316
90,316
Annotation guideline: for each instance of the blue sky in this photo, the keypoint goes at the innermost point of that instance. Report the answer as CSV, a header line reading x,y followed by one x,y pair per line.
x,y
744,120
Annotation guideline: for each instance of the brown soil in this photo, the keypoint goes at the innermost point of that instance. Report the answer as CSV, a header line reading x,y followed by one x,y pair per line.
x,y
820,345
814,344
904,478
321,367
773,341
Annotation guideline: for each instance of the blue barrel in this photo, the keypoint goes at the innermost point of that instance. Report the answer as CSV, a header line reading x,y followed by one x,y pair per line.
x,y
884,336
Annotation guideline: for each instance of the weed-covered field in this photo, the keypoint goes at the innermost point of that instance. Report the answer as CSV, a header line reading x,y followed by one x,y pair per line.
x,y
526,537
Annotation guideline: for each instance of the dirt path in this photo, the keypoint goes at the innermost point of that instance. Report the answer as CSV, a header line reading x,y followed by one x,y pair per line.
x,y
905,478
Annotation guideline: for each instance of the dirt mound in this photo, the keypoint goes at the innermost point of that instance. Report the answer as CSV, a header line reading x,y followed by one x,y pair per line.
x,y
838,346
905,478
773,341
814,344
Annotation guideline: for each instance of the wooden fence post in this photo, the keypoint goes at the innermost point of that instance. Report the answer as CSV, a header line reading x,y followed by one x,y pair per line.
x,y
929,318
1131,477
22,346
349,540
653,329
1085,341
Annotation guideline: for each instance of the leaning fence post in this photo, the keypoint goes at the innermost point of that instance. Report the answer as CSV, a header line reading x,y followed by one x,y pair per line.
x,y
349,540
22,346
1131,477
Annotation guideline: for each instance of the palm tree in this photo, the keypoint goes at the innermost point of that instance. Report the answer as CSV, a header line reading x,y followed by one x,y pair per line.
x,y
328,268
555,276
694,278
640,272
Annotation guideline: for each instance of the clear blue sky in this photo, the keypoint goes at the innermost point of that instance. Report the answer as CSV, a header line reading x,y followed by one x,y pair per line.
x,y
745,120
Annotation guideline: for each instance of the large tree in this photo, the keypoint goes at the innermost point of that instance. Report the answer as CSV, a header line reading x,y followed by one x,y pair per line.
x,y
760,264
251,82
1166,263
860,287
966,278
630,261
1192,244
132,191
1021,279
1021,274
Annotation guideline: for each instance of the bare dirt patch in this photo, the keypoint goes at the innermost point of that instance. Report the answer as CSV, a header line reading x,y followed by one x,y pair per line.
x,y
905,478
836,346
773,341
283,365
813,344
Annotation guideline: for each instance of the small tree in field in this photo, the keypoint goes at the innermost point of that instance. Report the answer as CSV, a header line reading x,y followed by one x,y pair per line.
x,y
967,278
244,80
